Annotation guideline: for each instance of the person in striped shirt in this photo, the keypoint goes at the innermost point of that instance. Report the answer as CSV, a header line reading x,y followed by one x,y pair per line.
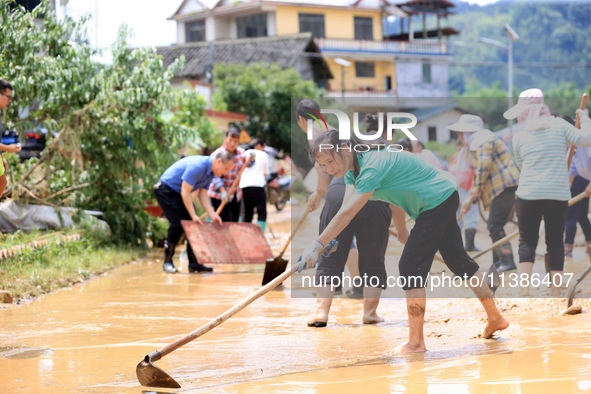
x,y
220,186
543,191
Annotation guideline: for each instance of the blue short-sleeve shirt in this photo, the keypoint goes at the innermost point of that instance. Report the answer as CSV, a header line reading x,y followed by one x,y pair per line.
x,y
195,170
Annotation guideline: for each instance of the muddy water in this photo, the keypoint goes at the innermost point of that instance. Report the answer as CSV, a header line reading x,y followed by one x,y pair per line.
x,y
91,337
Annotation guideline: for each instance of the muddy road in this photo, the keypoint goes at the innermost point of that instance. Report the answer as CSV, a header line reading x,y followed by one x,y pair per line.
x,y
89,338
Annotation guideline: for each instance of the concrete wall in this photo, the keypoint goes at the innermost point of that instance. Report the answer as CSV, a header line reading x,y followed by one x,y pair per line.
x,y
439,122
409,72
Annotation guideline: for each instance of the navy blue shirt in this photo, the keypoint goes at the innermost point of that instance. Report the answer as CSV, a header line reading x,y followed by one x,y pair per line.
x,y
195,170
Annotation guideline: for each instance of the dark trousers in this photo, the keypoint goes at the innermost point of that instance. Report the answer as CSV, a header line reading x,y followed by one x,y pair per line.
x,y
370,229
501,210
174,209
578,212
231,212
529,216
254,197
435,229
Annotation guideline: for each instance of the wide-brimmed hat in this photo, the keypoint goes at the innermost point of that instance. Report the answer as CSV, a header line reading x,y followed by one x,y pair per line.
x,y
467,124
526,98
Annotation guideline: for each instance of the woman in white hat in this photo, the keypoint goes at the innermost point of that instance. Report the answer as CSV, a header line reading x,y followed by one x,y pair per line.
x,y
540,152
495,182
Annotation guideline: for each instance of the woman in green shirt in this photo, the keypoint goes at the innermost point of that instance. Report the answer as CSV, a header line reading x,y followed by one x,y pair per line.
x,y
427,195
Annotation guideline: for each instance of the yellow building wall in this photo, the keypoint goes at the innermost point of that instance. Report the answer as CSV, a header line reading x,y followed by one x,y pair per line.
x,y
337,23
378,82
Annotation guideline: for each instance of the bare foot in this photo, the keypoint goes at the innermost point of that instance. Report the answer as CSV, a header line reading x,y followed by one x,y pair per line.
x,y
494,326
373,318
407,348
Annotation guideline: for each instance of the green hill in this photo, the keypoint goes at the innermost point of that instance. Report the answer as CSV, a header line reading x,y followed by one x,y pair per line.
x,y
554,46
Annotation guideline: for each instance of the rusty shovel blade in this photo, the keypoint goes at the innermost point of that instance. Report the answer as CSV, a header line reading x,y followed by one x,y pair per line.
x,y
150,375
274,268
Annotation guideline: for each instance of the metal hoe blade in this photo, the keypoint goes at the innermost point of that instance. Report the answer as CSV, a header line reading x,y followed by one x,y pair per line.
x,y
150,375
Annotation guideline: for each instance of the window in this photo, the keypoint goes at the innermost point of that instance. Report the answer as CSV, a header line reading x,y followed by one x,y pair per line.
x,y
432,130
28,4
426,71
195,31
252,25
365,70
363,28
313,23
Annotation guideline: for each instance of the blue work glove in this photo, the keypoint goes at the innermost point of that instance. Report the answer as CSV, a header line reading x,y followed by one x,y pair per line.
x,y
309,258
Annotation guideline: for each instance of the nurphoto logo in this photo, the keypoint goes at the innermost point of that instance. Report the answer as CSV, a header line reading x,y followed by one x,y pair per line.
x,y
345,124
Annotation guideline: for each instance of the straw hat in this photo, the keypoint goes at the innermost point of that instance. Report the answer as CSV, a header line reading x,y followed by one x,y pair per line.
x,y
526,98
467,124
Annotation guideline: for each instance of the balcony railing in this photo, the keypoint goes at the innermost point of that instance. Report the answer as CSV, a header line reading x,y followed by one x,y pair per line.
x,y
431,47
362,93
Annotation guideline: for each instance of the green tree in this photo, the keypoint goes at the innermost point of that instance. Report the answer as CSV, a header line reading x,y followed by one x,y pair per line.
x,y
114,126
263,92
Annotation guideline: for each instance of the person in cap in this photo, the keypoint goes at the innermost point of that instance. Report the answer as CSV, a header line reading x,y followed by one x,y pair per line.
x,y
540,152
495,181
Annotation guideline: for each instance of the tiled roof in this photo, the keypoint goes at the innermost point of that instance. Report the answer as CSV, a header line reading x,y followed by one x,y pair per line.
x,y
284,50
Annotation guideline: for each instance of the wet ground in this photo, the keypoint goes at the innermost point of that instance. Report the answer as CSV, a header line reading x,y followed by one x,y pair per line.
x,y
90,338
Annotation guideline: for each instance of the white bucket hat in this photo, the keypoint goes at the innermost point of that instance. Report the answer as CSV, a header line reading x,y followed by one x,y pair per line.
x,y
467,124
526,99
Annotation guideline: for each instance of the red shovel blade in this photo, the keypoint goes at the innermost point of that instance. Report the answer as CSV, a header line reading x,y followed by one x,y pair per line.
x,y
227,243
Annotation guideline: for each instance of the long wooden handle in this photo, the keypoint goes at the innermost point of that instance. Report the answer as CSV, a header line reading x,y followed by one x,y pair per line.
x,y
213,323
232,187
572,149
297,227
501,241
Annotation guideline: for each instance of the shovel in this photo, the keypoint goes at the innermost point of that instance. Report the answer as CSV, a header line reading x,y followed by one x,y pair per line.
x,y
274,267
150,375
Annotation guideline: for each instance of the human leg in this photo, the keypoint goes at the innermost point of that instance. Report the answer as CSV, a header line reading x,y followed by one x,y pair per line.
x,y
371,232
356,290
416,303
583,217
501,210
260,198
234,208
574,215
414,265
461,264
529,216
554,218
174,209
469,222
249,203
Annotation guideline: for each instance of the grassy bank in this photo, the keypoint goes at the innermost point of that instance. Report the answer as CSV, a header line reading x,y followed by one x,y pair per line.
x,y
37,271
